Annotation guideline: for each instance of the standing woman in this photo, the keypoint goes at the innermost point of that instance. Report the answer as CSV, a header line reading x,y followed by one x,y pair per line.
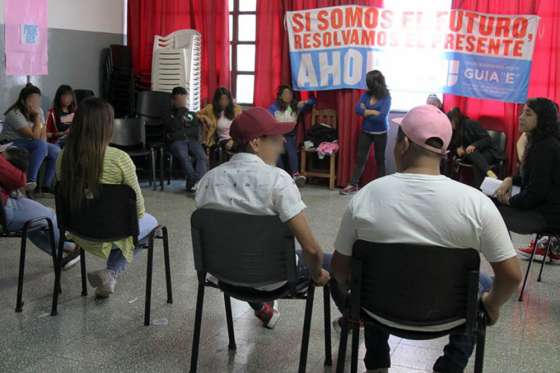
x,y
25,127
286,109
374,107
87,161
473,144
537,206
217,118
61,114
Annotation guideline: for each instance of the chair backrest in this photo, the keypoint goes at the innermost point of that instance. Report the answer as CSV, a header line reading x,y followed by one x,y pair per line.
x,y
120,57
108,217
82,94
499,139
153,104
416,285
324,116
243,249
128,132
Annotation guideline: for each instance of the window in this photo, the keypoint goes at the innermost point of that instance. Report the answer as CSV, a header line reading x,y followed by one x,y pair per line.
x,y
242,32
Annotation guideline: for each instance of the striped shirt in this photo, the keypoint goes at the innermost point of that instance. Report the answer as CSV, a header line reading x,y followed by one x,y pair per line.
x,y
118,168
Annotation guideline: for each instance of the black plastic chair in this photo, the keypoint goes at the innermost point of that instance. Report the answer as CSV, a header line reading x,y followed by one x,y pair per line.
x,y
414,286
110,217
499,139
254,251
22,235
130,136
551,234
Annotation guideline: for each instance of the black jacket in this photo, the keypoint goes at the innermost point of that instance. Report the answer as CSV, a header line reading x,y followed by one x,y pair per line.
x,y
470,132
540,181
182,124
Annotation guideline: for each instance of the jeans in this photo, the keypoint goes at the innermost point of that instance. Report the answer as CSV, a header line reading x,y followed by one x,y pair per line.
x,y
364,144
302,273
116,261
20,210
291,153
39,150
455,355
183,150
481,164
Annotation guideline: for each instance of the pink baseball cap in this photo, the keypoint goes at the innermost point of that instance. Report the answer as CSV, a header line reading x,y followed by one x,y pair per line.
x,y
425,122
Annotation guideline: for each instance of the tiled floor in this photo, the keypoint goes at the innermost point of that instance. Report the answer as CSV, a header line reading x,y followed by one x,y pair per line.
x,y
110,337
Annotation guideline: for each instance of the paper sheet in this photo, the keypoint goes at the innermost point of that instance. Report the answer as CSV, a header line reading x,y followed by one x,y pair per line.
x,y
490,185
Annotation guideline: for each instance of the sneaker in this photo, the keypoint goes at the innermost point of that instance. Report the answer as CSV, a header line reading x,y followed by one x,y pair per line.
x,y
299,180
103,281
525,253
269,314
350,189
30,186
189,186
71,259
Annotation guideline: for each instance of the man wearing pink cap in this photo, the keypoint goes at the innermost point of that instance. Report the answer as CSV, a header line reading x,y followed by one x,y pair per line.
x,y
250,183
418,205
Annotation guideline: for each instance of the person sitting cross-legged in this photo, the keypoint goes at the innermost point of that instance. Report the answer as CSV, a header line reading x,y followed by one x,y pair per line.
x,y
417,205
250,183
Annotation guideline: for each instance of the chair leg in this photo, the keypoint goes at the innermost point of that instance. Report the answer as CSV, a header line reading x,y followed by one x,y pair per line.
x,y
327,317
83,272
229,319
341,359
197,326
306,328
19,302
547,252
170,169
529,268
479,359
332,172
167,264
161,168
57,274
153,168
148,301
355,346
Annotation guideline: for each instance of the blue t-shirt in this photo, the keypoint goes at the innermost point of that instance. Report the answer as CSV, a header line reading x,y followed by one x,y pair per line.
x,y
378,123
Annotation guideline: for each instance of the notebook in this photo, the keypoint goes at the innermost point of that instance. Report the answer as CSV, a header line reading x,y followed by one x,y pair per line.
x,y
490,185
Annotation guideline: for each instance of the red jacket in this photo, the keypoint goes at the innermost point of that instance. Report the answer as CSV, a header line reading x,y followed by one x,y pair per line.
x,y
11,178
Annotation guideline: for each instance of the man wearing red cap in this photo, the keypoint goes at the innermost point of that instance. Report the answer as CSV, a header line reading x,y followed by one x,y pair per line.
x,y
418,205
250,183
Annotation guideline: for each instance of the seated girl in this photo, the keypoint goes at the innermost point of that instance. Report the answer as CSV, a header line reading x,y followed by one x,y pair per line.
x,y
217,118
87,161
61,114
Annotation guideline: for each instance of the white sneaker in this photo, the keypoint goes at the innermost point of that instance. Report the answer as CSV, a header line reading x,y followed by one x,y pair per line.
x,y
300,180
269,315
103,281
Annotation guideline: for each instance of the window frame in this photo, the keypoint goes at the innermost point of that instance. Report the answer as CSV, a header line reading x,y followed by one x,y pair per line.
x,y
234,42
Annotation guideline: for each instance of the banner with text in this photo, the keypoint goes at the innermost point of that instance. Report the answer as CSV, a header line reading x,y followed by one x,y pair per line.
x,y
469,53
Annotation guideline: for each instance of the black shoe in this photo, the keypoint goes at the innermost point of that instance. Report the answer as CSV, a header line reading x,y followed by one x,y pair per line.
x,y
71,259
189,186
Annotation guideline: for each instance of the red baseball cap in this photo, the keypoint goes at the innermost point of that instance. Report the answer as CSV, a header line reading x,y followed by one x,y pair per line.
x,y
256,122
425,122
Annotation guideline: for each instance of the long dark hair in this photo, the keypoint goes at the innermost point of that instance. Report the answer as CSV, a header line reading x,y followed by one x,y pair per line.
x,y
84,150
229,111
547,123
376,85
457,117
57,104
281,104
25,92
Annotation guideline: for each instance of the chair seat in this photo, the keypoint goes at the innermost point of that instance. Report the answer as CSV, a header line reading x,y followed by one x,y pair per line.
x,y
254,295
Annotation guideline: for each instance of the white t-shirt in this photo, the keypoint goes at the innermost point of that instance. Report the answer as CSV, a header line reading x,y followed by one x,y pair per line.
x,y
222,127
424,210
247,185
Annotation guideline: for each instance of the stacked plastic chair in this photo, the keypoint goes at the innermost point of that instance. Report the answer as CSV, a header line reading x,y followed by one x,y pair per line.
x,y
176,61
119,80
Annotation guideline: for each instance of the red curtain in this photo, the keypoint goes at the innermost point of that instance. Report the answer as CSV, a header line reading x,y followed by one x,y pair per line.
x,y
545,70
147,18
273,69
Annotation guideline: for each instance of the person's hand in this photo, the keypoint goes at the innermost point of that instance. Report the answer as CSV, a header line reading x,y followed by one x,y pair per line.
x,y
503,193
492,312
229,144
323,278
470,149
461,152
363,106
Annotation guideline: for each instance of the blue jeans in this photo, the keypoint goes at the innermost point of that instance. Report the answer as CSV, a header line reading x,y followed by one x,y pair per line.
x,y
189,152
290,150
20,210
116,261
40,150
455,355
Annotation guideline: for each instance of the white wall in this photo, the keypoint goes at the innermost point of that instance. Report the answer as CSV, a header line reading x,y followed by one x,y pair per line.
x,y
85,15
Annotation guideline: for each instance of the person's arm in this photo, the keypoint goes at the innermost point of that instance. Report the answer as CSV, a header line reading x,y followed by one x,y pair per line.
x,y
304,106
342,257
538,185
361,105
384,108
52,132
312,253
131,179
273,108
484,140
341,269
11,177
507,278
